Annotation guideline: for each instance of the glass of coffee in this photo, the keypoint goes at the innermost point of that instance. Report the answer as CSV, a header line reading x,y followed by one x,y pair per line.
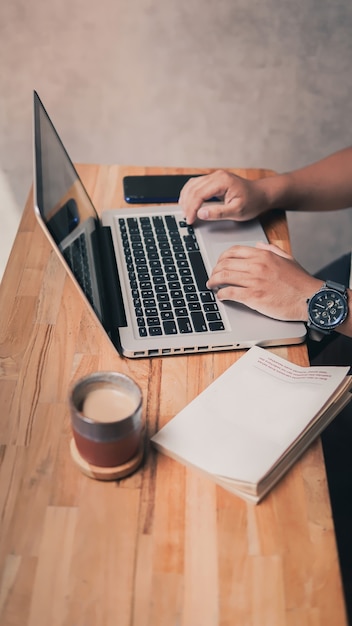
x,y
106,418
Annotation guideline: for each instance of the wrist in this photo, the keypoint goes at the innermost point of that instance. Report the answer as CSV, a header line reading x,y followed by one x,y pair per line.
x,y
311,286
274,192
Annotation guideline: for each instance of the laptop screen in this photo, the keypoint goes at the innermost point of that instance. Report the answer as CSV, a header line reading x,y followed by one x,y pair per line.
x,y
65,207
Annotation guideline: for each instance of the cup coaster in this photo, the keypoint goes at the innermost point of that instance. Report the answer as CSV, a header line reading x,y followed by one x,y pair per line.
x,y
107,473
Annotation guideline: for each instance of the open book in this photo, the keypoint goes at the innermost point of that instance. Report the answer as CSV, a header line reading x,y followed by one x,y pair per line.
x,y
253,422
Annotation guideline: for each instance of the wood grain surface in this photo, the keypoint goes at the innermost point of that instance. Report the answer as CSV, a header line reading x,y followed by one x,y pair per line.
x,y
164,546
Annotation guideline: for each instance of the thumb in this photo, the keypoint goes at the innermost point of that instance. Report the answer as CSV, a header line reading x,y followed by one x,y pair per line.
x,y
213,212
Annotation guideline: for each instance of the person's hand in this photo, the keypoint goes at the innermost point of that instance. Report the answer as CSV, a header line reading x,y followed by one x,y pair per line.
x,y
266,279
242,199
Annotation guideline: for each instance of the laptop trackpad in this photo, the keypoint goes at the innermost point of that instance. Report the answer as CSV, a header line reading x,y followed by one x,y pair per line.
x,y
221,235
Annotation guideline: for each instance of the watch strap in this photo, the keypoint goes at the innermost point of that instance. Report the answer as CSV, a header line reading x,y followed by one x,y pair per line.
x,y
330,284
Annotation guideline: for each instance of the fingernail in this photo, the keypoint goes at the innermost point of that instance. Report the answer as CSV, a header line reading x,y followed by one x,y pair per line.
x,y
203,214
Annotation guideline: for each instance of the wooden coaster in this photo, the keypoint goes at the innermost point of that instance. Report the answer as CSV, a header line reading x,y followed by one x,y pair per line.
x,y
107,473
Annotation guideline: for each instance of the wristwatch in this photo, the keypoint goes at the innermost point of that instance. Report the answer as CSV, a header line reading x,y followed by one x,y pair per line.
x,y
327,309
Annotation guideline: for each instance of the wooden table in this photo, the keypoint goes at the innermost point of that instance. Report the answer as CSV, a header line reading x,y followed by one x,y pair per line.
x,y
165,546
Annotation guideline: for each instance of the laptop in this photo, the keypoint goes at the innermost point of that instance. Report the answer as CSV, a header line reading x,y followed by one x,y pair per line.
x,y
143,270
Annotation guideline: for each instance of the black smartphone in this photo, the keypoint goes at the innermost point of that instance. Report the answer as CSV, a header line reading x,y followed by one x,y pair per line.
x,y
149,189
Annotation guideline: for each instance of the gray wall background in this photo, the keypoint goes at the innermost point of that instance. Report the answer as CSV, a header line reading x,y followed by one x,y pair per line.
x,y
218,83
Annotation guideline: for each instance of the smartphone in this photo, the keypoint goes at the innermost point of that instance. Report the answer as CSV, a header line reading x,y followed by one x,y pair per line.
x,y
149,189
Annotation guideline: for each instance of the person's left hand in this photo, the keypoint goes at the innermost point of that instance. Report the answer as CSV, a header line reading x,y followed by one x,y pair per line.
x,y
266,279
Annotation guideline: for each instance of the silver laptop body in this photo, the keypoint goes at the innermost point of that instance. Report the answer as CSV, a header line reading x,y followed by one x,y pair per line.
x,y
143,270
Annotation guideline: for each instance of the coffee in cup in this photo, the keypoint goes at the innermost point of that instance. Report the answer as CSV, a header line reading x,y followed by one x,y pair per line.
x,y
106,418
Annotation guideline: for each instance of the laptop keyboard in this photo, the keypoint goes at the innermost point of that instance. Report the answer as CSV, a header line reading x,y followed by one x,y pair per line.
x,y
76,255
167,277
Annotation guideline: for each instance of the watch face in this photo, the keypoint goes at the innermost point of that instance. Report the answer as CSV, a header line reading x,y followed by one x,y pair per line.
x,y
327,309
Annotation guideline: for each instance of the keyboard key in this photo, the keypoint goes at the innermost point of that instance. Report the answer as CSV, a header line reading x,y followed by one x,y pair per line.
x,y
153,321
207,296
176,293
182,263
194,306
174,285
213,317
210,307
161,288
158,222
200,273
163,297
171,276
216,326
155,331
132,224
192,297
199,322
179,302
143,276
165,306
180,256
157,271
184,325
170,328
167,315
171,223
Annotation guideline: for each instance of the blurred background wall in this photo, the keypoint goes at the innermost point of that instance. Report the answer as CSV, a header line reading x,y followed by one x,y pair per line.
x,y
222,83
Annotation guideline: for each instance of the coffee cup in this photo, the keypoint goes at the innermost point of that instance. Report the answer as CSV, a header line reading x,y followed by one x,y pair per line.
x,y
106,419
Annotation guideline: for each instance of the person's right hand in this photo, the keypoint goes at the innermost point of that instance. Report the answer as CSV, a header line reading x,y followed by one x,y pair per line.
x,y
242,199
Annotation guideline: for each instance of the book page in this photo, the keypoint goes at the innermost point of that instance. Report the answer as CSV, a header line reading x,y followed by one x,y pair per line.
x,y
246,419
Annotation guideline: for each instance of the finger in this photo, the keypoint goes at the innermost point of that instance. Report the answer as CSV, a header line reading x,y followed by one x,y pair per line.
x,y
235,294
219,211
198,190
238,252
234,273
192,197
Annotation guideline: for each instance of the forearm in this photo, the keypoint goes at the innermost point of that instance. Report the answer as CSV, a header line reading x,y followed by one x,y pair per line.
x,y
323,186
